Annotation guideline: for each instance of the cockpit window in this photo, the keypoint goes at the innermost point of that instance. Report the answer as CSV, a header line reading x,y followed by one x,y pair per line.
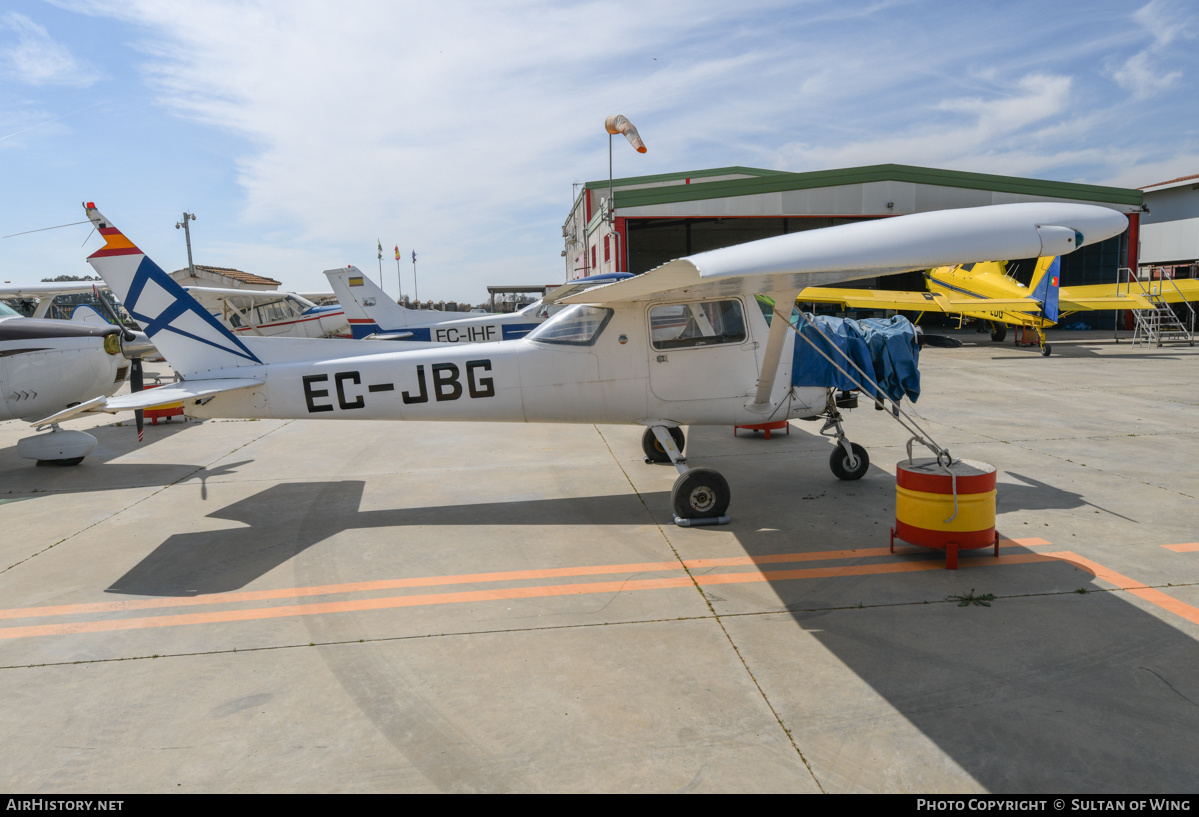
x,y
577,325
681,326
8,312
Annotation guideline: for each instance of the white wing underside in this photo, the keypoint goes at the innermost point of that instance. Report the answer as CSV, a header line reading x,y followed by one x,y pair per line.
x,y
870,248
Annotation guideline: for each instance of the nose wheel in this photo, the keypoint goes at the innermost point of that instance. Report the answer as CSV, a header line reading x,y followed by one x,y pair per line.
x,y
700,493
849,465
848,461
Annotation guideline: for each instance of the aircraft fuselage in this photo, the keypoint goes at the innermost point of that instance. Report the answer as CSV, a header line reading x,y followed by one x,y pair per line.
x,y
621,376
48,365
986,281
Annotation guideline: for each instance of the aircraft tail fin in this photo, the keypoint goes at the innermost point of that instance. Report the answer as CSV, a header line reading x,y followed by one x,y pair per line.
x,y
190,338
86,313
1048,289
368,308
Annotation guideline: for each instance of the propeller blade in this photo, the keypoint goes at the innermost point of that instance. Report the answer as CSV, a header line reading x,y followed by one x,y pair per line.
x,y
112,315
136,384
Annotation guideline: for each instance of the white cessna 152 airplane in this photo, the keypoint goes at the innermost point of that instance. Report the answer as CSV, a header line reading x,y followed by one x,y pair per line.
x,y
604,360
372,314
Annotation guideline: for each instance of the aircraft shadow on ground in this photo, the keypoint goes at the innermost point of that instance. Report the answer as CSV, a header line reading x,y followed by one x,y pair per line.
x,y
1043,693
1041,496
113,442
38,481
287,519
1046,690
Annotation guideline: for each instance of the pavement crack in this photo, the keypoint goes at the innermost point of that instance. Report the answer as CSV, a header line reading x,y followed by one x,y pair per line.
x,y
1171,686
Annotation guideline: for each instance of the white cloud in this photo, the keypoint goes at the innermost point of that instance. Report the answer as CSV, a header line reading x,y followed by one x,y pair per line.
x,y
36,59
993,135
1138,75
1165,22
458,127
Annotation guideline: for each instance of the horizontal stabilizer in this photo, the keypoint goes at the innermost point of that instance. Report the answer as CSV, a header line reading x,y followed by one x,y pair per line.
x,y
149,398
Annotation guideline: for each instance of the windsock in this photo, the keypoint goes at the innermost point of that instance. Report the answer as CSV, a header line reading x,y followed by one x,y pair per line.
x,y
619,124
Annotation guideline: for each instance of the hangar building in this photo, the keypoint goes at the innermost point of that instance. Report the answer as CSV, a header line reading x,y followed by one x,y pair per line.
x,y
659,218
1170,226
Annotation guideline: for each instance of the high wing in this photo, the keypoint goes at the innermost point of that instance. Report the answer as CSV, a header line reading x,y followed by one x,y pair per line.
x,y
581,284
871,248
48,289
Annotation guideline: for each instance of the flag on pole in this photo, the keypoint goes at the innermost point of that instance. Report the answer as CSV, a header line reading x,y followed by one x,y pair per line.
x,y
380,249
414,256
397,252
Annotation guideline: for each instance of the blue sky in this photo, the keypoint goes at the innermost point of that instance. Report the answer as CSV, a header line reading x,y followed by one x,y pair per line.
x,y
300,132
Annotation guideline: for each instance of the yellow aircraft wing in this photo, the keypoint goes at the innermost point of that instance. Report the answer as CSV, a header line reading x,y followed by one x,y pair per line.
x,y
1103,296
875,299
1071,299
907,301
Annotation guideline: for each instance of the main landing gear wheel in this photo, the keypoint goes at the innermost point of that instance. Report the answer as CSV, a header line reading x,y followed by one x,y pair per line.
x,y
843,468
1046,349
654,452
701,493
998,332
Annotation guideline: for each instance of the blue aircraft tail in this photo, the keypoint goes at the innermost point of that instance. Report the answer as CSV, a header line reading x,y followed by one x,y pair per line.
x,y
1046,291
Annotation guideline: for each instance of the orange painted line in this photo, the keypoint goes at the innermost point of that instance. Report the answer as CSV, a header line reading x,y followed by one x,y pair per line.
x,y
343,607
496,594
1188,547
332,589
468,578
1156,597
865,570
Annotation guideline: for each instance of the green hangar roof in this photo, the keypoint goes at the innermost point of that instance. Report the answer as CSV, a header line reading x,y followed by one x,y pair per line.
x,y
730,182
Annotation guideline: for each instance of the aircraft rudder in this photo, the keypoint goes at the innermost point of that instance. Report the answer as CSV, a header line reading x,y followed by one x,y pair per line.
x,y
1047,290
188,335
363,299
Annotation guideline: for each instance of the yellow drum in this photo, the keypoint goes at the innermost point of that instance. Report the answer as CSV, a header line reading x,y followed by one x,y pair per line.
x,y
924,506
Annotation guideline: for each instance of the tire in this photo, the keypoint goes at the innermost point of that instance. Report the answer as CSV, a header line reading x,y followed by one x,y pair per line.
x,y
654,452
701,493
1046,350
71,461
998,332
839,462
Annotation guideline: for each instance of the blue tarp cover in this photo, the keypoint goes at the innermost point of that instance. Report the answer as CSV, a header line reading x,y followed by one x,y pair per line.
x,y
884,348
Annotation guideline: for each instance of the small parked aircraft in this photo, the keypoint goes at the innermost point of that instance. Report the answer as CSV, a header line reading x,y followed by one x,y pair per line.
x,y
372,314
48,365
599,361
36,300
990,292
272,314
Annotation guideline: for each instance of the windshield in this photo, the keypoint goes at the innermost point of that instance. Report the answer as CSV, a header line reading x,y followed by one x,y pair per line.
x,y
8,312
577,325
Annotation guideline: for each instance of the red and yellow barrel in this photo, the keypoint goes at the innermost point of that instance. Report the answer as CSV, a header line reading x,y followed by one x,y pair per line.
x,y
924,505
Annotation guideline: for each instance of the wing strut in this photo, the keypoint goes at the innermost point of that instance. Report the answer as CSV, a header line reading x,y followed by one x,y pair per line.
x,y
774,349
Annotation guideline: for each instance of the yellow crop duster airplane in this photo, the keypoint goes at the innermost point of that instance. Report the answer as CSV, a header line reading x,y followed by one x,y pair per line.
x,y
990,292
